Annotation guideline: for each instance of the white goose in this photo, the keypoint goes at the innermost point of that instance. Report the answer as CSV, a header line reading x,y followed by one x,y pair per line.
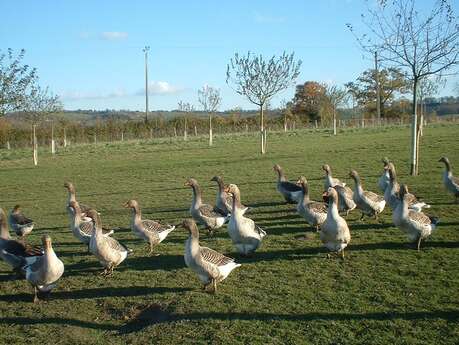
x,y
371,204
451,183
210,266
43,273
383,181
289,190
224,201
106,249
334,232
204,214
314,212
148,230
415,224
245,234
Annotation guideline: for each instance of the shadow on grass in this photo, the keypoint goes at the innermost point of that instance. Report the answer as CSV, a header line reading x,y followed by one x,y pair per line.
x,y
161,317
144,321
105,292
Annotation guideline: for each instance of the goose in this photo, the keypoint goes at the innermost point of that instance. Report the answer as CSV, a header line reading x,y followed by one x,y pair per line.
x,y
148,230
210,266
289,190
72,197
451,182
329,181
106,249
15,253
383,181
416,225
204,214
392,193
245,234
371,204
334,232
45,271
345,199
314,212
224,201
21,225
81,228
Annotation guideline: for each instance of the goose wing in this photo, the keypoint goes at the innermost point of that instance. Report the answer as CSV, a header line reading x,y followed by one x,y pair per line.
x,y
318,207
373,197
289,186
419,218
210,212
153,226
345,191
115,245
86,228
20,219
20,249
213,257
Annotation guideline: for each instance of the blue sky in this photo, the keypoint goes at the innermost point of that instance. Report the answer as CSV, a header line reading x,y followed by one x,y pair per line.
x,y
90,52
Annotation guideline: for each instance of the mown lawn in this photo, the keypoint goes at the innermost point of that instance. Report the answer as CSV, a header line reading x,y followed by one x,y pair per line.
x,y
288,293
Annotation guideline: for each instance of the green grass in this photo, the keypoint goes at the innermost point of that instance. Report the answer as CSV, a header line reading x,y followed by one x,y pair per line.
x,y
288,293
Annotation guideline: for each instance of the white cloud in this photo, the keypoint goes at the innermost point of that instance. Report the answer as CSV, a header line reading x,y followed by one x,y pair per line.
x,y
86,95
161,88
268,19
114,35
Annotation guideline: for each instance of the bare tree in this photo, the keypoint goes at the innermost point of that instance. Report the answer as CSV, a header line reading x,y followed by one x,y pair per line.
x,y
186,108
210,100
336,96
259,80
16,80
423,44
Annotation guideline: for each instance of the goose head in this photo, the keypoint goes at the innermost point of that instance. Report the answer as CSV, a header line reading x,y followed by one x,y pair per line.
x,y
47,243
190,226
354,175
232,189
131,204
191,182
69,186
326,168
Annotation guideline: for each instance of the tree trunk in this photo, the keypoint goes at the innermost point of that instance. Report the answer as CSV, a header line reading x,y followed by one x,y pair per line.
x,y
414,128
334,120
35,146
262,130
210,130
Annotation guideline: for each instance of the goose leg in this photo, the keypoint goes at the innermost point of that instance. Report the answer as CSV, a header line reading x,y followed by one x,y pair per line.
x,y
342,254
214,286
363,215
419,243
35,298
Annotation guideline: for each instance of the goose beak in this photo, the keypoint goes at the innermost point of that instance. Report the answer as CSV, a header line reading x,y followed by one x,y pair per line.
x,y
126,205
187,184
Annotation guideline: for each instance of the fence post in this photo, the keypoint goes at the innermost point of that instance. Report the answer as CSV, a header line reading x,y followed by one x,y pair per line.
x,y
122,136
35,146
65,138
195,131
8,147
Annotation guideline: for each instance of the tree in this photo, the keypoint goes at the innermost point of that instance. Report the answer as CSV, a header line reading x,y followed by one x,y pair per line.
x,y
420,44
16,80
259,79
308,99
186,108
336,96
210,100
392,82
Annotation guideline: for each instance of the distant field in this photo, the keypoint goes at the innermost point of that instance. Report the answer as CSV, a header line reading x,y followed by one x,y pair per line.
x,y
288,293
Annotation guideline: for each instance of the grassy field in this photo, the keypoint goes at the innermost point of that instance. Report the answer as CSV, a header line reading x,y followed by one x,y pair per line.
x,y
288,293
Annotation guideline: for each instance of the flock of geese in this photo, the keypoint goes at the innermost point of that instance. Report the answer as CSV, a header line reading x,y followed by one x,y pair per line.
x,y
42,268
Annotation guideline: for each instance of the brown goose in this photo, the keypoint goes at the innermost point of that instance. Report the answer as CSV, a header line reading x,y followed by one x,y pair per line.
x,y
106,249
329,181
371,204
416,225
314,212
224,201
16,253
204,214
383,181
72,197
451,182
149,230
210,266
334,232
21,225
289,190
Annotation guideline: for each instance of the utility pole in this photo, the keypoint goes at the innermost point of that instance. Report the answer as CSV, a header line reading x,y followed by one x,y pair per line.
x,y
378,90
145,50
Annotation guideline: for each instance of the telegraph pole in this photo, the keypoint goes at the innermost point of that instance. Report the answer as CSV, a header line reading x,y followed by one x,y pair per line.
x,y
145,50
378,90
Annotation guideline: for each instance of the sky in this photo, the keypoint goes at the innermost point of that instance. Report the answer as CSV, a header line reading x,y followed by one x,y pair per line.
x,y
90,52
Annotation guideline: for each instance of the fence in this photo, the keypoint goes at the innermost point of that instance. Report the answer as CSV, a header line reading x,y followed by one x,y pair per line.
x,y
20,135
